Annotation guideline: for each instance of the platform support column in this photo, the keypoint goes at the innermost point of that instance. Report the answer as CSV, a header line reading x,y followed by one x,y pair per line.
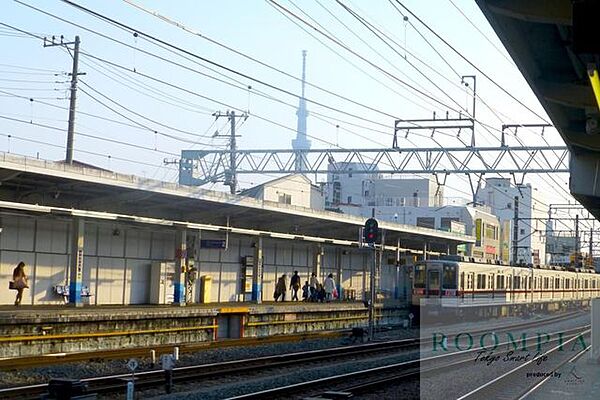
x,y
76,268
595,353
257,271
180,267
338,266
318,261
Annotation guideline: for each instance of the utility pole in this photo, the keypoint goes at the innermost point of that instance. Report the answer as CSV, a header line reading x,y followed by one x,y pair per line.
x,y
591,248
577,247
516,231
474,78
231,175
73,98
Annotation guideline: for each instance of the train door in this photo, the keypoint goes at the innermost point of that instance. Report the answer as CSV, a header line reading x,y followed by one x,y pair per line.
x,y
433,282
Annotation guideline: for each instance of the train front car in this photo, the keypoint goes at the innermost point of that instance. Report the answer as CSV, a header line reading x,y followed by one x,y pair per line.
x,y
435,285
486,289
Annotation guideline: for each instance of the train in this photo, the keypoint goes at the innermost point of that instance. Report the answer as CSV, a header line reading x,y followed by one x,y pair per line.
x,y
462,284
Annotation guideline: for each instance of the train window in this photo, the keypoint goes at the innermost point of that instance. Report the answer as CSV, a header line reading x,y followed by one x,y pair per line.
x,y
470,281
529,283
419,276
546,283
516,282
509,282
491,281
500,281
567,283
593,284
449,277
462,281
585,284
481,281
556,283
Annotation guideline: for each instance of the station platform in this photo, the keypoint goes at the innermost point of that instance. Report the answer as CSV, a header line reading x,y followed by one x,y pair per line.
x,y
41,330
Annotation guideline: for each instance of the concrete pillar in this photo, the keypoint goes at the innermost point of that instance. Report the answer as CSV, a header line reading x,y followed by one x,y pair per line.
x,y
595,353
76,268
180,267
257,271
338,266
318,261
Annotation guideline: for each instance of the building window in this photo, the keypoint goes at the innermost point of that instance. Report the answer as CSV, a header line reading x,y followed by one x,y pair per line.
x,y
349,199
426,222
285,198
337,192
366,193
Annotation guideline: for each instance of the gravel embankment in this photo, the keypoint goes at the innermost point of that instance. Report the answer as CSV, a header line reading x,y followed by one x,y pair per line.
x,y
79,370
226,387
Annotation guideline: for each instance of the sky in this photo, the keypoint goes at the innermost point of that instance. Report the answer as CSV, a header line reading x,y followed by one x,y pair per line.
x,y
164,99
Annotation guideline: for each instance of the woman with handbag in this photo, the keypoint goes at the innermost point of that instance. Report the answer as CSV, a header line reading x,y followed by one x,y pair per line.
x,y
19,282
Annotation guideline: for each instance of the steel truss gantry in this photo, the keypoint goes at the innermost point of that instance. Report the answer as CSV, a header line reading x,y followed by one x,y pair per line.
x,y
198,167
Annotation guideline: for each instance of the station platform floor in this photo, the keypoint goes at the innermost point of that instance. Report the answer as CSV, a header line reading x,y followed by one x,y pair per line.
x,y
68,313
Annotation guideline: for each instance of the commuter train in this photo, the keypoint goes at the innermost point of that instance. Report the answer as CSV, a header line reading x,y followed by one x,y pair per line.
x,y
452,283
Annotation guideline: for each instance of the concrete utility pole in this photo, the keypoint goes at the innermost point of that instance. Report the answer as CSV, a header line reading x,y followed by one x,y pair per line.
x,y
516,232
73,98
577,247
591,248
71,130
231,175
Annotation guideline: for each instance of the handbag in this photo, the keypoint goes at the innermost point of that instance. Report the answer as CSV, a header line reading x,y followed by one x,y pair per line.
x,y
11,285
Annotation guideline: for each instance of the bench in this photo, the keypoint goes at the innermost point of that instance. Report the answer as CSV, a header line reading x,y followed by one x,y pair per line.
x,y
63,290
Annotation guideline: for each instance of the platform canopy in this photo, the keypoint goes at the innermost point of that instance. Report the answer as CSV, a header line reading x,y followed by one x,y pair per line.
x,y
81,187
555,45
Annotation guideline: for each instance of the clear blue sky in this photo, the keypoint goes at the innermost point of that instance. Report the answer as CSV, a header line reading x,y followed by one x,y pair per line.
x,y
257,29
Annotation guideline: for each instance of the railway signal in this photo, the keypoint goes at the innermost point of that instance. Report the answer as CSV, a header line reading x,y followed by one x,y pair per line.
x,y
371,231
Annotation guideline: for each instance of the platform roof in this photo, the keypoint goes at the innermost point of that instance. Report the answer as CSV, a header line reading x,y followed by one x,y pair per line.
x,y
539,36
55,184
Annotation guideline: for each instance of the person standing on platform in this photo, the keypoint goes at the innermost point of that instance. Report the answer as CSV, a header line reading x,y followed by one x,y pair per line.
x,y
329,286
19,282
314,285
306,291
281,288
295,285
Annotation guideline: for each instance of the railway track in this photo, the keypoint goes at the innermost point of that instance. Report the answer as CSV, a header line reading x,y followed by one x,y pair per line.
x,y
109,384
155,378
373,379
506,387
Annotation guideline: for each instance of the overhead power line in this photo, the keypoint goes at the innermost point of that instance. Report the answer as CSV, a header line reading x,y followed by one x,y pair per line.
x,y
155,39
499,86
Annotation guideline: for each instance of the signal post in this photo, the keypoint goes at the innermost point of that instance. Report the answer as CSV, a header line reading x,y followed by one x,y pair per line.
x,y
370,235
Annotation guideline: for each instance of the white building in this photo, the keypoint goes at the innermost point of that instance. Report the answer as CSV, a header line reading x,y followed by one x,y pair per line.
x,y
360,189
294,189
499,195
348,188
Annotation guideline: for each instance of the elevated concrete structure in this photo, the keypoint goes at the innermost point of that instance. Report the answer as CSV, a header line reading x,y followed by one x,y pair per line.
x,y
551,46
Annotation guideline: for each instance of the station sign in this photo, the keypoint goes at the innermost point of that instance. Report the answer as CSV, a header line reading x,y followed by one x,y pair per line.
x,y
213,244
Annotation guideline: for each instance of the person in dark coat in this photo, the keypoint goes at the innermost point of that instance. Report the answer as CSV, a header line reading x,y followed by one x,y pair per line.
x,y
281,288
295,285
306,292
